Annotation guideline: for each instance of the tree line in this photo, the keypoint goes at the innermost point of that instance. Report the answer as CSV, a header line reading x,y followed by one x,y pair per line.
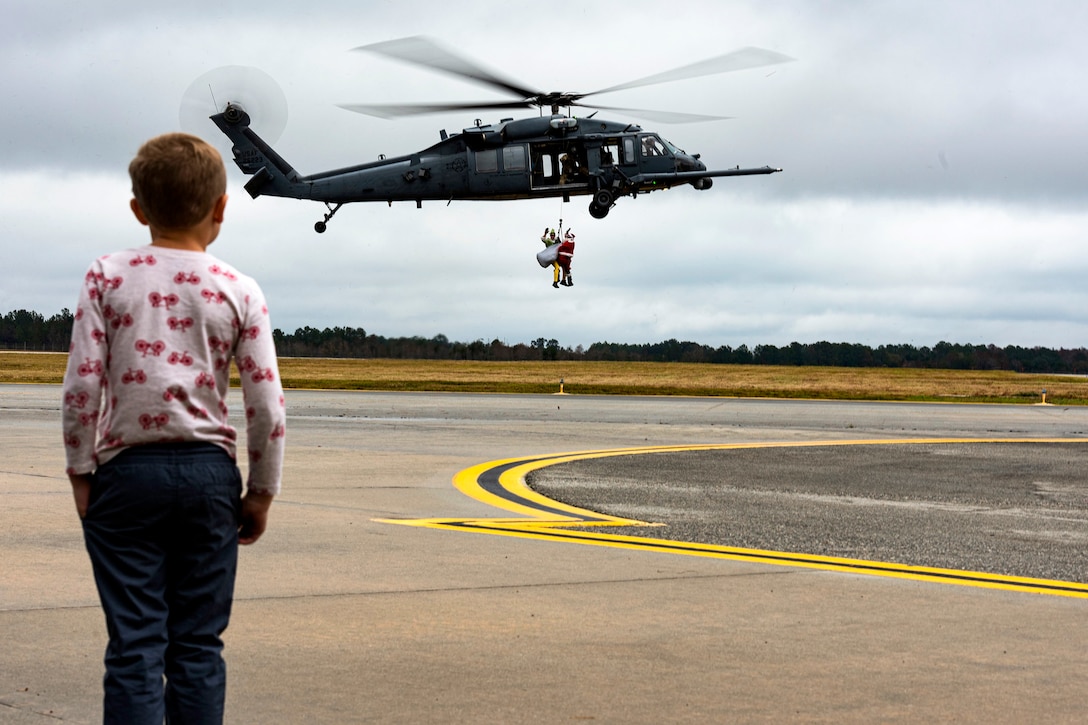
x,y
26,330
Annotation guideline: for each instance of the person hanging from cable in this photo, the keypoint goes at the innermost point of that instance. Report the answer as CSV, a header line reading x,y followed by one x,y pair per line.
x,y
548,254
566,254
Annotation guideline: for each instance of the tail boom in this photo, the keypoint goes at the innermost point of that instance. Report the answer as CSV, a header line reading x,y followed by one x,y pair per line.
x,y
271,174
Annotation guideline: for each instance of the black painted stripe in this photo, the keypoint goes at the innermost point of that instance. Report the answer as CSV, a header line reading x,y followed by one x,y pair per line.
x,y
489,481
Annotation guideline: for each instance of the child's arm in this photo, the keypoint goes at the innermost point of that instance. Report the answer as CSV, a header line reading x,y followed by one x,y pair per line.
x,y
83,379
263,395
265,420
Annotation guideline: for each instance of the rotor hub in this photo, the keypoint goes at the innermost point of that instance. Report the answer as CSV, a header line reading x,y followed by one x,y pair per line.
x,y
233,113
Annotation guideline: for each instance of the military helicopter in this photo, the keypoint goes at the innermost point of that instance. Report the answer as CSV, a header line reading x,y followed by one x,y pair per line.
x,y
552,155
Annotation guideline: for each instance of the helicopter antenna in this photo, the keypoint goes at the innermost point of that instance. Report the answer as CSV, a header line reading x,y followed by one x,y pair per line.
x,y
212,94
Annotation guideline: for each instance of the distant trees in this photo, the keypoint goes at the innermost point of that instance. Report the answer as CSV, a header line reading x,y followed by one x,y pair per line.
x,y
943,355
341,342
354,342
25,330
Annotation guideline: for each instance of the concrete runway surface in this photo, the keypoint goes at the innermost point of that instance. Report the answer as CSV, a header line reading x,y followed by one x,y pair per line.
x,y
343,617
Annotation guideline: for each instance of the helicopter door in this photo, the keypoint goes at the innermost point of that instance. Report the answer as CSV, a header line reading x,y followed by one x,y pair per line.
x,y
501,171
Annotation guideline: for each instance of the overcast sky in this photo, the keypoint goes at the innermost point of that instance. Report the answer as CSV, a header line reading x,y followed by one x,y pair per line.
x,y
935,160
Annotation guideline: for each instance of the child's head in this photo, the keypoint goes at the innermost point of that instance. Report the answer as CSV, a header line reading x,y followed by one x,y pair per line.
x,y
176,180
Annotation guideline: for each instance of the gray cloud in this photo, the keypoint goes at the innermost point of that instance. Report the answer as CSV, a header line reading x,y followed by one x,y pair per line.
x,y
933,154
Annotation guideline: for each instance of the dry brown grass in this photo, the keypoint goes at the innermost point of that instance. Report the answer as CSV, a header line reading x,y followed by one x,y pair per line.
x,y
608,378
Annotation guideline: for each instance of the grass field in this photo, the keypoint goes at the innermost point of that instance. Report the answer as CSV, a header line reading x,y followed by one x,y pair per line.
x,y
607,378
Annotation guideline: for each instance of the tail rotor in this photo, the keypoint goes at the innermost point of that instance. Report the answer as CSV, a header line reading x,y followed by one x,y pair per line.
x,y
250,88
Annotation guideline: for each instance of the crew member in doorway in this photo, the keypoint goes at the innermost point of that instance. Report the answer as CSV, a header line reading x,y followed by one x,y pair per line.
x,y
566,164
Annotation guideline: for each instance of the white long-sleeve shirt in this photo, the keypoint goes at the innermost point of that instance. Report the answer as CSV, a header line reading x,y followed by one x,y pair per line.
x,y
154,334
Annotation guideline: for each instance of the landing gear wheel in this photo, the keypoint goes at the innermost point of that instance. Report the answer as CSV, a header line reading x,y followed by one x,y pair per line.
x,y
598,212
320,226
604,198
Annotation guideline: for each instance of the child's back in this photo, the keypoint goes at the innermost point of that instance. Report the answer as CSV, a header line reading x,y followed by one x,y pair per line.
x,y
151,453
155,331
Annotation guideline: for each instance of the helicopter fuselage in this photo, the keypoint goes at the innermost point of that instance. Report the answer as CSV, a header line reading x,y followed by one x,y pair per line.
x,y
546,156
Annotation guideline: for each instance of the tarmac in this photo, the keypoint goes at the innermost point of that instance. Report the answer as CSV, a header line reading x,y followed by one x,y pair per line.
x,y
479,610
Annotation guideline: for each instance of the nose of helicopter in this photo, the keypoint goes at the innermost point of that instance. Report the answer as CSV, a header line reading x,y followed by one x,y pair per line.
x,y
690,162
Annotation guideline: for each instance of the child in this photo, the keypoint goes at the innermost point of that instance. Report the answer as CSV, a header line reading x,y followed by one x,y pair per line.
x,y
151,455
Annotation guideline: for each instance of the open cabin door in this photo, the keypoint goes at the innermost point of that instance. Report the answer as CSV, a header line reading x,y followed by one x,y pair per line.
x,y
557,165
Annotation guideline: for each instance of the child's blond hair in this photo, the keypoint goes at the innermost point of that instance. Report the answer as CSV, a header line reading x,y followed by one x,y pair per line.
x,y
176,179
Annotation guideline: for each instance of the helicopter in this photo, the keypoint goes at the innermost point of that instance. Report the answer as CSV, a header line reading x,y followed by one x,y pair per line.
x,y
552,155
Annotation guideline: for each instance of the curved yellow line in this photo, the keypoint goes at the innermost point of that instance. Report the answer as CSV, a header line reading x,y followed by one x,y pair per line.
x,y
542,518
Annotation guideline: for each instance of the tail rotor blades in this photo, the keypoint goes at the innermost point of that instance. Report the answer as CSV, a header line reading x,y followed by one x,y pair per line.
x,y
251,88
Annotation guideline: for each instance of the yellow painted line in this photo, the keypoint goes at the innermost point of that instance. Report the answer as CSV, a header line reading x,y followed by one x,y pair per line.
x,y
501,484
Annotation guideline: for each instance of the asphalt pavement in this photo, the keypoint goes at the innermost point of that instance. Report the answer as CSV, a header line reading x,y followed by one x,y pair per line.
x,y
343,617
1018,509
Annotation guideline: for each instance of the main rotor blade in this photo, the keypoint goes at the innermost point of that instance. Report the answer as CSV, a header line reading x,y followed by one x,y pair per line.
x,y
659,116
422,51
742,59
393,110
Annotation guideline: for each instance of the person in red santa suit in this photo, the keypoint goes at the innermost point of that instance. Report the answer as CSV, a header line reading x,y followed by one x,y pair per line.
x,y
566,253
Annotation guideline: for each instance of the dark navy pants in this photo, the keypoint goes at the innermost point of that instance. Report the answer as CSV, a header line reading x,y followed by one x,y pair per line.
x,y
162,533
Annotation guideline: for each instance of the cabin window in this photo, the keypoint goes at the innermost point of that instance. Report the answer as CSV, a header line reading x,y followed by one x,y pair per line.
x,y
546,166
628,150
513,158
610,152
487,162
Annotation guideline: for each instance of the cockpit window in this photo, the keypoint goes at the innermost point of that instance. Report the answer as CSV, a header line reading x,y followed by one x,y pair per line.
x,y
652,146
672,149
